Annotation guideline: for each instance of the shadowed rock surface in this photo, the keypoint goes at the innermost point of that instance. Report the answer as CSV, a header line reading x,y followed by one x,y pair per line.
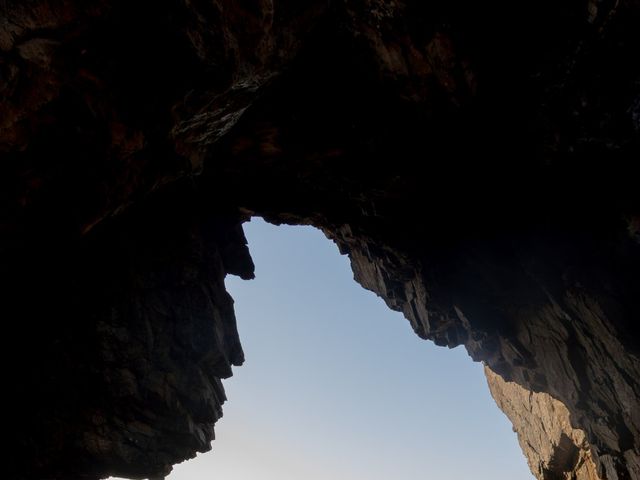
x,y
476,162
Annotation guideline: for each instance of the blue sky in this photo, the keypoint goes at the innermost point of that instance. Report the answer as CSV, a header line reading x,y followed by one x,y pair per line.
x,y
337,386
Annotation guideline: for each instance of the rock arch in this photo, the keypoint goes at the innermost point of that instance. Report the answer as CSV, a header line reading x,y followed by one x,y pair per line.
x,y
478,172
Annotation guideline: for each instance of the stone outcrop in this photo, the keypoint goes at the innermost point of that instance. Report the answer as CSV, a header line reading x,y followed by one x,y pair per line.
x,y
554,449
121,354
475,161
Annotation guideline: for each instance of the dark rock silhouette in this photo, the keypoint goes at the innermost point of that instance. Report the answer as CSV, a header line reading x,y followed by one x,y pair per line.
x,y
477,163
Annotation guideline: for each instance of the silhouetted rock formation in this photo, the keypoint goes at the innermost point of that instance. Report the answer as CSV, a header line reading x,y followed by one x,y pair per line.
x,y
476,162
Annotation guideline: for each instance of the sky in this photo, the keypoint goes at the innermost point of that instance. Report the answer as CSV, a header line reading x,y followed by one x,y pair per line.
x,y
337,386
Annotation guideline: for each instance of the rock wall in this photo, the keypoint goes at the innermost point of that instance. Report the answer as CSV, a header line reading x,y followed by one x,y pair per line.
x,y
554,449
561,341
476,162
120,342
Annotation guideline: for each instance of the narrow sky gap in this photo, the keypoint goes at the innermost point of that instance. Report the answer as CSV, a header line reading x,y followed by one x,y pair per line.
x,y
337,386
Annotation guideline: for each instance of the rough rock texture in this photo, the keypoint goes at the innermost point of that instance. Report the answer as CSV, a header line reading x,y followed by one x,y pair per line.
x,y
476,161
122,354
554,449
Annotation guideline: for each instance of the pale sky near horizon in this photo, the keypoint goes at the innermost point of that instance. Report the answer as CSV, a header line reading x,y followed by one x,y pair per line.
x,y
337,386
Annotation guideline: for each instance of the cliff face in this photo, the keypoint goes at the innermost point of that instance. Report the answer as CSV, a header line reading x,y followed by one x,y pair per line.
x,y
476,162
122,340
560,341
554,449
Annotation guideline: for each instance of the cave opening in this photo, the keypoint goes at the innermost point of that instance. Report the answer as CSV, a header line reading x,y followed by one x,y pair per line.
x,y
335,384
